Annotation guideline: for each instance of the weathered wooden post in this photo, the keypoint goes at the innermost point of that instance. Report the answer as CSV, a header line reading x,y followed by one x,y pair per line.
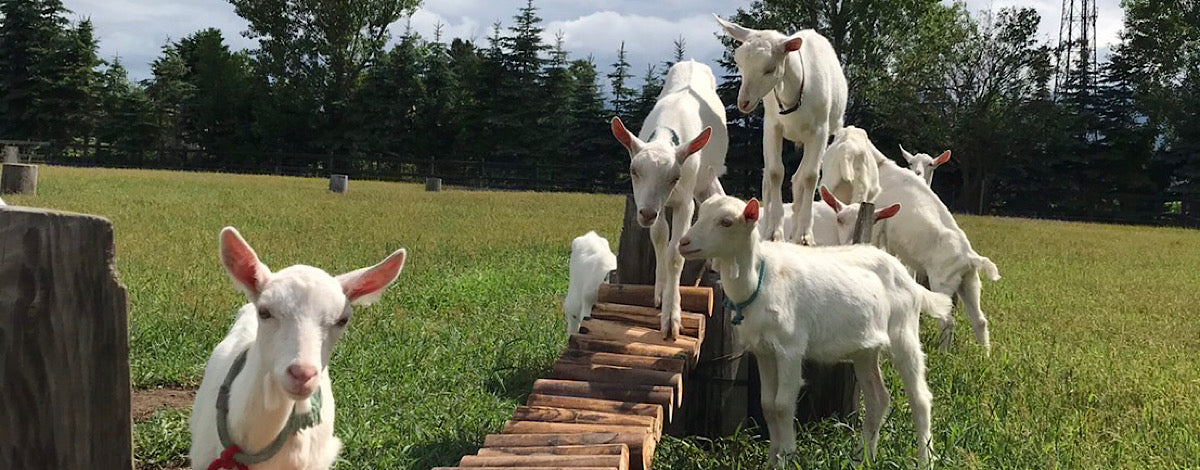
x,y
433,184
338,183
12,154
635,257
64,344
18,178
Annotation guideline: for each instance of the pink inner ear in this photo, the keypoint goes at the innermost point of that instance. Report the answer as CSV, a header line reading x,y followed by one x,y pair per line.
x,y
241,261
887,212
374,279
829,199
700,141
793,44
751,212
622,134
943,158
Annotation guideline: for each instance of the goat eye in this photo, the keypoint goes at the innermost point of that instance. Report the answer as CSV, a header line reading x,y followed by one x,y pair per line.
x,y
264,313
726,223
675,180
342,322
769,71
633,173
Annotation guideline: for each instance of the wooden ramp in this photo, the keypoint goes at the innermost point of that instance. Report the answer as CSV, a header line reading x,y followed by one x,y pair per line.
x,y
610,393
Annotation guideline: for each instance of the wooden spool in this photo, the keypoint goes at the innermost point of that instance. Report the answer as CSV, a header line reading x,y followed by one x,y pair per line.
x,y
12,154
640,444
18,178
433,184
338,183
64,344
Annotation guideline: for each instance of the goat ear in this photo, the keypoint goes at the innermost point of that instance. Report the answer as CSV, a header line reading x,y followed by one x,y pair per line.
x,y
829,199
751,211
242,264
682,153
943,158
734,30
907,156
626,138
887,212
364,286
791,45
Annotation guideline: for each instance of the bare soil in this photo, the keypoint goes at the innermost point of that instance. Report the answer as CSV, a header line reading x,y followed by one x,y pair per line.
x,y
147,401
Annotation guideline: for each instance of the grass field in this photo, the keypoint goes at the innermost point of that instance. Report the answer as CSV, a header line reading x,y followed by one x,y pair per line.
x,y
1096,360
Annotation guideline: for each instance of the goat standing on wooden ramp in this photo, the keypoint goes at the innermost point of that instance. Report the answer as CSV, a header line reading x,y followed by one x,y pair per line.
x,y
266,401
922,164
591,261
826,304
808,90
927,239
687,118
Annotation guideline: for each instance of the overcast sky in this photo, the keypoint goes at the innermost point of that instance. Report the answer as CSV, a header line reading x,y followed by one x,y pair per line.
x,y
135,30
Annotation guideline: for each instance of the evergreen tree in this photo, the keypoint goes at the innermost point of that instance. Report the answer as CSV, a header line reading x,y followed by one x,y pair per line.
x,y
591,142
171,91
622,95
557,118
652,84
125,130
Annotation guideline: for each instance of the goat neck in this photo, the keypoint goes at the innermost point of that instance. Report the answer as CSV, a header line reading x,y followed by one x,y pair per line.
x,y
739,275
258,407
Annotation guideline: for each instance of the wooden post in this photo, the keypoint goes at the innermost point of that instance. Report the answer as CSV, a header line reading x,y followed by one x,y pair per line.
x,y
715,403
635,255
11,154
339,183
18,178
64,344
433,184
864,224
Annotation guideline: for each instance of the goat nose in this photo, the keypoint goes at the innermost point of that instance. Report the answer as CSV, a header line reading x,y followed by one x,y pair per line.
x,y
648,214
685,241
743,104
301,373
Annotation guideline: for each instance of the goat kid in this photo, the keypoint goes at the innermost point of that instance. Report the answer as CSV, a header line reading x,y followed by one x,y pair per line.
x,y
591,261
922,164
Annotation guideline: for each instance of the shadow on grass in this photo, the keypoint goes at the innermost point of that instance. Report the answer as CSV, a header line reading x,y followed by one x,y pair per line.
x,y
512,376
447,452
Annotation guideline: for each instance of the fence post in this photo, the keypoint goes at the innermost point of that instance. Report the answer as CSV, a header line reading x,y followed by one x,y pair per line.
x,y
12,154
64,344
18,178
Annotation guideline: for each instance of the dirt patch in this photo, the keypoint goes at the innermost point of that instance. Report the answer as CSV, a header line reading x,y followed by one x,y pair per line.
x,y
148,401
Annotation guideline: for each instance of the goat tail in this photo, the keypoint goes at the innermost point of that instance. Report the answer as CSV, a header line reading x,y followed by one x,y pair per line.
x,y
936,305
987,266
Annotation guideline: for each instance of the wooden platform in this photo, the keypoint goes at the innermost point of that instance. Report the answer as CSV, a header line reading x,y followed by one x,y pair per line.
x,y
611,392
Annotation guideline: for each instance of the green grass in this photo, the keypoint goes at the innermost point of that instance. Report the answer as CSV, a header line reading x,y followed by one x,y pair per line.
x,y
1096,360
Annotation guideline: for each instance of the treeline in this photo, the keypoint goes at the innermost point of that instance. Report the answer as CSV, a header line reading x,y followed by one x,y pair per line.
x,y
323,91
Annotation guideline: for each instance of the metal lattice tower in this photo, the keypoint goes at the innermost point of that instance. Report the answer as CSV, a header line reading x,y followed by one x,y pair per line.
x,y
1076,54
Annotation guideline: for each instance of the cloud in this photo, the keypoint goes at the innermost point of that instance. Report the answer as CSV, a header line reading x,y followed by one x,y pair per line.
x,y
648,40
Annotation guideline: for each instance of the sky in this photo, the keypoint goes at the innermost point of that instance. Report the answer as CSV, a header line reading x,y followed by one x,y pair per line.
x,y
136,30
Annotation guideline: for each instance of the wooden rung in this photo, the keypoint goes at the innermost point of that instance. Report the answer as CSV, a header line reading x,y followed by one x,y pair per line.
x,y
578,356
604,329
618,374
691,324
620,462
587,343
641,444
596,404
525,467
597,449
692,299
656,394
566,415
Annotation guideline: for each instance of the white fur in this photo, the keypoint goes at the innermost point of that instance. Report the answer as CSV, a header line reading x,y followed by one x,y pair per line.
x,y
925,236
849,167
2,202
825,229
825,304
922,164
664,177
769,71
591,261
305,305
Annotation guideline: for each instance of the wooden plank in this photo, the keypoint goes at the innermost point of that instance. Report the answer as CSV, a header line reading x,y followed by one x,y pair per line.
x,y
620,462
528,468
597,449
585,343
692,299
618,374
577,356
604,329
656,394
596,404
552,414
64,344
641,444
691,324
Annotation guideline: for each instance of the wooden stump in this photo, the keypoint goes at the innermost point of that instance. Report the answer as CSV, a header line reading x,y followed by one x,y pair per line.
x,y
12,154
18,178
339,183
433,184
64,344
635,256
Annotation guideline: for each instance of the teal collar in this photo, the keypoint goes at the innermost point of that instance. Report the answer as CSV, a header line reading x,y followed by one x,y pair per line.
x,y
740,307
295,422
674,136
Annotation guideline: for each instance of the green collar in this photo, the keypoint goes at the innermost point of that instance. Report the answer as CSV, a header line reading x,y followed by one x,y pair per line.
x,y
295,422
740,307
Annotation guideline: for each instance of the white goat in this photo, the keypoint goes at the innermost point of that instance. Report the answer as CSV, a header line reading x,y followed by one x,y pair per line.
x,y
825,230
687,116
927,239
591,261
826,304
2,202
284,338
922,164
803,73
849,166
